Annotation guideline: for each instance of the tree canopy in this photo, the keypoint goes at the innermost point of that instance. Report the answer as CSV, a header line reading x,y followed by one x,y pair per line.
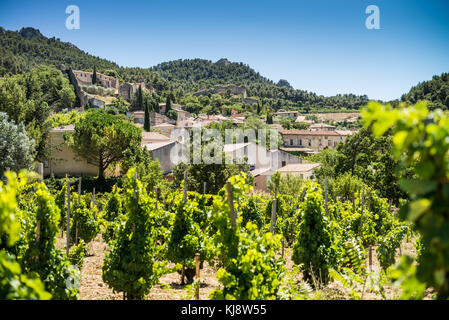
x,y
103,139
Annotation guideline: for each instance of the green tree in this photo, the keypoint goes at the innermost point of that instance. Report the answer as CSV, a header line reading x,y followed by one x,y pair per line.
x,y
16,148
103,139
94,76
420,141
146,124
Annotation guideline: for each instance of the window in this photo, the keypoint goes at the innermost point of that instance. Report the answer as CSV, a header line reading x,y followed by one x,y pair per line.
x,y
283,163
291,142
46,164
300,142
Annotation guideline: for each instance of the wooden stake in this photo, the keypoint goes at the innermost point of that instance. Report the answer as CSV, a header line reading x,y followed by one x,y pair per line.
x,y
325,196
273,209
197,289
185,187
68,218
182,275
204,187
156,195
40,169
231,204
370,251
93,197
361,214
353,203
79,204
283,246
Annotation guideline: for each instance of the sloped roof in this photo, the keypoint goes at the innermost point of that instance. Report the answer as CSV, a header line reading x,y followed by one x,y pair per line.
x,y
299,167
308,133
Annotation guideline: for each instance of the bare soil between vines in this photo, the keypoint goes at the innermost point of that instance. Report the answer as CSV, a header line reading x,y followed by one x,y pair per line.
x,y
170,288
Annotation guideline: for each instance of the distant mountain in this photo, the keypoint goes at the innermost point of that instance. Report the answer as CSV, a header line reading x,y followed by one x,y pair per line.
x,y
436,91
28,47
22,49
284,83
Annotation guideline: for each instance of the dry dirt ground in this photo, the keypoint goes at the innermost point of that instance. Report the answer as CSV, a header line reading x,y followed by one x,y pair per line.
x,y
93,287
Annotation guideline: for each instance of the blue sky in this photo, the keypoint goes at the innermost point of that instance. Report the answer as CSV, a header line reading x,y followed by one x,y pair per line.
x,y
320,46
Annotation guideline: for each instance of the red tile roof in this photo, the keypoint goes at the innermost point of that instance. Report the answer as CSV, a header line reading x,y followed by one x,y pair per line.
x,y
308,133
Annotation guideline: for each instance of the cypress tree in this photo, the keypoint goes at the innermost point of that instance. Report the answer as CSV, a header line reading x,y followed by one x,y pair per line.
x,y
258,107
146,124
168,105
94,76
139,99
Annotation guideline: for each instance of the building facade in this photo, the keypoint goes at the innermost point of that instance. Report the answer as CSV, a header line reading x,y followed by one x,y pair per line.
x,y
314,140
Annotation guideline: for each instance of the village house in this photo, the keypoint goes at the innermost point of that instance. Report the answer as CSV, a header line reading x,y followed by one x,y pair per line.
x,y
304,170
128,90
321,127
314,140
263,163
160,147
85,78
63,160
287,114
166,128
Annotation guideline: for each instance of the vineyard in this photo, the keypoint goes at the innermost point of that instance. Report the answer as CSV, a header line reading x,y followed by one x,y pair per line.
x,y
328,241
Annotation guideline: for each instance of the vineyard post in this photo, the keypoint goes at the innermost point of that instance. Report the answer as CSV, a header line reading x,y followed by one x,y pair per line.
x,y
361,214
185,203
231,203
155,195
353,203
273,209
40,169
204,187
93,197
185,187
197,289
79,204
68,217
325,195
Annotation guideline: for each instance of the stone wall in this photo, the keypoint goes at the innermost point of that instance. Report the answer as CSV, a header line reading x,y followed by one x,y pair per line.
x,y
235,90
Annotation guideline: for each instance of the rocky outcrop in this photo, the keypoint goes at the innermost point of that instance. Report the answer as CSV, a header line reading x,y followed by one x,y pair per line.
x,y
284,83
29,33
222,89
2,30
223,62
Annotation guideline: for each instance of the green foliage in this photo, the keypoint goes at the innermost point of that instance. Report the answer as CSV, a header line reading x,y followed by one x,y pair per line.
x,y
85,218
103,139
192,75
42,257
146,124
215,175
63,119
16,148
251,270
252,210
77,253
436,91
190,233
420,141
113,216
13,283
133,266
312,248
